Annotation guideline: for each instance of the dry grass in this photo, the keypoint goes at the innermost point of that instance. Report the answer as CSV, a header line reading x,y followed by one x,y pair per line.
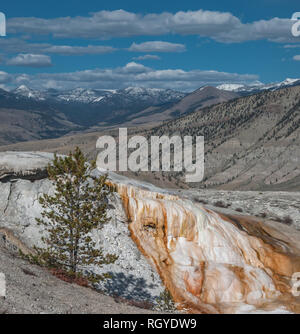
x,y
62,275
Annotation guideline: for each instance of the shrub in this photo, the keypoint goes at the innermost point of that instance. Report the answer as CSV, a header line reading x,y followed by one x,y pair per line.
x,y
287,220
165,302
221,204
200,200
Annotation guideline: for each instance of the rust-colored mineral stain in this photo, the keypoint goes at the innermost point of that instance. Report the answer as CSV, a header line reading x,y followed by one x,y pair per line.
x,y
161,226
194,283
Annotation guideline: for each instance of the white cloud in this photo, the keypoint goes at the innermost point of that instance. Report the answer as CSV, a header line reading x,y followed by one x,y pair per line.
x,y
79,50
297,57
220,26
292,46
16,45
4,77
30,60
157,46
146,57
134,74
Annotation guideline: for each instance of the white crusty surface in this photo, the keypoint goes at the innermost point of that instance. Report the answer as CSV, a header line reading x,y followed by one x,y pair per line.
x,y
23,163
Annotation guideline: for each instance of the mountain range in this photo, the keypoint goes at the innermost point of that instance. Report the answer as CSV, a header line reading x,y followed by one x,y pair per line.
x,y
251,140
258,87
28,114
156,96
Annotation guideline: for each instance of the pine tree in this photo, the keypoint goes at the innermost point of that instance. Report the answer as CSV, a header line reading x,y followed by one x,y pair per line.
x,y
77,207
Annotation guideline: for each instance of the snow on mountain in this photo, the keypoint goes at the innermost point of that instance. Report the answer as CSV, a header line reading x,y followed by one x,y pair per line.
x,y
286,83
158,95
153,96
82,95
24,91
238,88
230,87
94,96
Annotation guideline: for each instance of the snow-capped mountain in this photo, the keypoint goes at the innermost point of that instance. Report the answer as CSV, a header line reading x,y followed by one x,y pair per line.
x,y
90,107
24,91
257,87
286,83
83,95
94,96
155,96
151,96
163,95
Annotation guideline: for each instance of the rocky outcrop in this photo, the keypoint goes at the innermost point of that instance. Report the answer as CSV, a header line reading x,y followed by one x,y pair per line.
x,y
24,165
132,275
211,262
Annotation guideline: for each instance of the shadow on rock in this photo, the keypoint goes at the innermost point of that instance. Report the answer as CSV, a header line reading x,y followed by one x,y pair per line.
x,y
128,287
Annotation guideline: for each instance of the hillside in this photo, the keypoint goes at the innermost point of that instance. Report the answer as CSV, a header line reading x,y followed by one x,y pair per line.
x,y
202,97
34,290
28,114
252,143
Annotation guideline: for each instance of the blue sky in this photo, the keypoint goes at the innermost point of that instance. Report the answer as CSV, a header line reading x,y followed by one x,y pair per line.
x,y
163,44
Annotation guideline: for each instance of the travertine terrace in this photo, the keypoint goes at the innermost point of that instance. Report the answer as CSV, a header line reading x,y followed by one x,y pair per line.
x,y
212,262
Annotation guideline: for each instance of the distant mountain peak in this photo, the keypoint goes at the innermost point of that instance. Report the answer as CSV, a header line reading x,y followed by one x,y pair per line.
x,y
230,87
22,88
258,86
289,81
27,92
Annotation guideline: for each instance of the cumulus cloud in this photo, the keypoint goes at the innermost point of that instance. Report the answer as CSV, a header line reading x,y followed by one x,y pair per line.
x,y
146,57
134,74
297,57
157,46
30,60
220,26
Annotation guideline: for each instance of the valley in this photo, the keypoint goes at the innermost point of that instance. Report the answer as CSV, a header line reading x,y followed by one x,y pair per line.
x,y
251,142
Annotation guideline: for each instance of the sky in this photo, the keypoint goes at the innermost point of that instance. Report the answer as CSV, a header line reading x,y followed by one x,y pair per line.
x,y
179,45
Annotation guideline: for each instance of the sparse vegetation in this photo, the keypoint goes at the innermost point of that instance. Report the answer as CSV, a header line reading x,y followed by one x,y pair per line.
x,y
221,204
200,200
165,302
287,220
284,220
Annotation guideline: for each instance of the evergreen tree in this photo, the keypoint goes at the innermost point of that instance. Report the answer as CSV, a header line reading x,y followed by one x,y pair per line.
x,y
77,207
